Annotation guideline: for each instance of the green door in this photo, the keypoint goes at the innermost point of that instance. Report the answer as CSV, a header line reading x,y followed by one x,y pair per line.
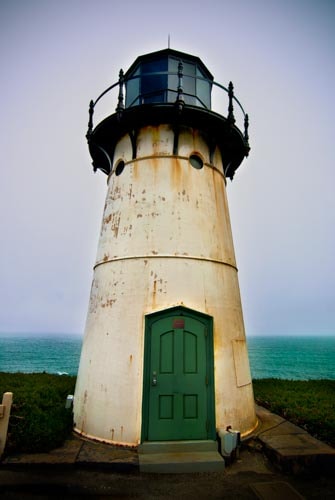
x,y
179,378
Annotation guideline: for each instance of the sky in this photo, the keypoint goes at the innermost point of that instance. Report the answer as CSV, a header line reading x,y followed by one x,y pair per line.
x,y
56,56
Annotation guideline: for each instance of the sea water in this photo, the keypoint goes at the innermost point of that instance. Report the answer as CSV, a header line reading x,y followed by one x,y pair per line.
x,y
286,357
292,358
29,353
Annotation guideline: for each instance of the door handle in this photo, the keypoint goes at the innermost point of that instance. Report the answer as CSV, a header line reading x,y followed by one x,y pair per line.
x,y
154,378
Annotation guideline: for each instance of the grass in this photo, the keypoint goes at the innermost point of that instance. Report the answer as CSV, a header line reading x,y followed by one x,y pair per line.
x,y
39,421
310,404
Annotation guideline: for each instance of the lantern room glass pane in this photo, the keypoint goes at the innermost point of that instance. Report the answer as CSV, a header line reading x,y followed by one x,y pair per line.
x,y
173,79
189,84
204,88
133,90
154,86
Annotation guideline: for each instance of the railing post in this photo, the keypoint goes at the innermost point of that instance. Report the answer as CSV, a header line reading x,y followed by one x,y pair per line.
x,y
5,407
120,105
246,133
231,117
90,120
180,98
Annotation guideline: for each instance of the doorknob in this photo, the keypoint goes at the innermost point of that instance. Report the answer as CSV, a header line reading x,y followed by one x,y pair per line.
x,y
154,378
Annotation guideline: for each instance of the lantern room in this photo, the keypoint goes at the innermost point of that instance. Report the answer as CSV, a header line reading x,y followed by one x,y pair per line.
x,y
159,76
171,87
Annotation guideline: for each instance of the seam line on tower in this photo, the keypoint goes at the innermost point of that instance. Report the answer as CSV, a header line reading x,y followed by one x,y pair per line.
x,y
165,256
168,157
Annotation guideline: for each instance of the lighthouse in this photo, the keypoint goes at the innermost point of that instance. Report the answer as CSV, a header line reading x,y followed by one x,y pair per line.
x,y
164,355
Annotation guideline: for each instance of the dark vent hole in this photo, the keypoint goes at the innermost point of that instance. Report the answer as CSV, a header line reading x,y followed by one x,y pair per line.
x,y
119,168
196,161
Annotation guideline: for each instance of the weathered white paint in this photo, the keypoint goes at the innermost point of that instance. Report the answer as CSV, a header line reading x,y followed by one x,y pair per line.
x,y
165,240
5,407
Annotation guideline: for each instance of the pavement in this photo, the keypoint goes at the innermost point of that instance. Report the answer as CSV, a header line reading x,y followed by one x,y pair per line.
x,y
280,461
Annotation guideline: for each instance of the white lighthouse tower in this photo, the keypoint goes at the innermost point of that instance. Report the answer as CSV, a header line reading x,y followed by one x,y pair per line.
x,y
164,356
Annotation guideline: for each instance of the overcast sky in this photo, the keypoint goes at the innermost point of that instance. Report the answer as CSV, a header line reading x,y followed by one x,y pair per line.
x,y
57,55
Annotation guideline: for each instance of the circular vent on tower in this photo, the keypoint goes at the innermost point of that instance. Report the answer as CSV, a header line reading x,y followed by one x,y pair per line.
x,y
196,161
119,167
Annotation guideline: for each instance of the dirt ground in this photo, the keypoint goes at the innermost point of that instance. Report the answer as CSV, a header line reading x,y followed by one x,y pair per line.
x,y
238,481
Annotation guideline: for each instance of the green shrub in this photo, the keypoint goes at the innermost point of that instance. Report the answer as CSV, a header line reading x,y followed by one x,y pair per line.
x,y
307,403
39,420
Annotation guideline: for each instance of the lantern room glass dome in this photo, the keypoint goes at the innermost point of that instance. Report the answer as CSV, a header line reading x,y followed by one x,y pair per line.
x,y
156,78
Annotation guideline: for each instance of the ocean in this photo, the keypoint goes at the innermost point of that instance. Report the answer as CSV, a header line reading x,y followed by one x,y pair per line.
x,y
294,358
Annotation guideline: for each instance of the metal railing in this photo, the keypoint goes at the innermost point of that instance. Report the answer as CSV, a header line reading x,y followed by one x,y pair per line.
x,y
179,101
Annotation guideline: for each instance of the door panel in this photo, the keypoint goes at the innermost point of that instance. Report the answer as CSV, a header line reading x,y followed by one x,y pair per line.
x,y
178,388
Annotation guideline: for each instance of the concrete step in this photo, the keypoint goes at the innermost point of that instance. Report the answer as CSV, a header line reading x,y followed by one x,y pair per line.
x,y
149,447
181,462
291,448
